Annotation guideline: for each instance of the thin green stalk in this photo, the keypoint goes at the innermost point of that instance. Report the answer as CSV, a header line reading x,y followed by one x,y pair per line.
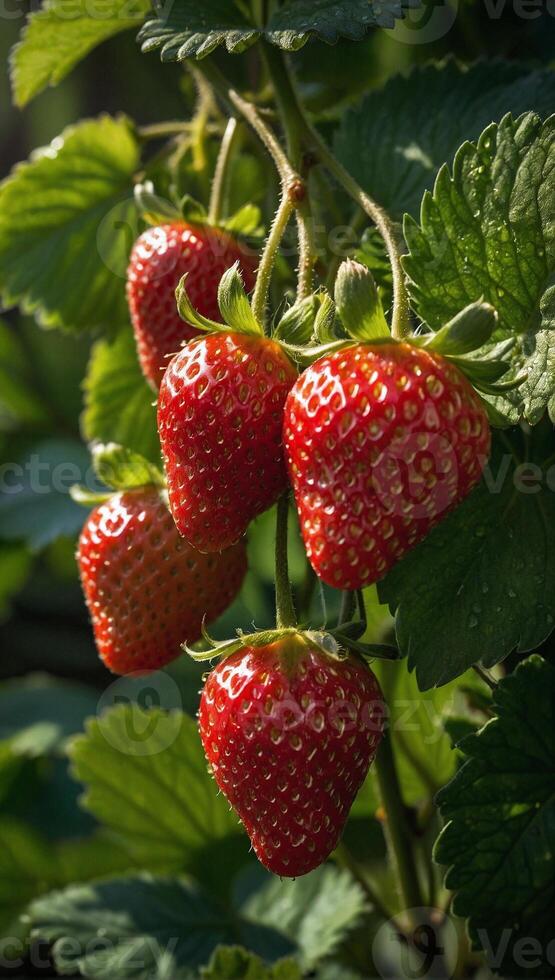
x,y
285,611
347,608
260,296
304,129
220,183
307,252
398,830
232,98
485,676
289,115
163,130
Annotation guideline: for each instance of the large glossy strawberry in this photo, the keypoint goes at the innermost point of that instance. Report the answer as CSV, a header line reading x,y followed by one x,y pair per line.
x,y
160,257
381,442
146,589
289,733
220,419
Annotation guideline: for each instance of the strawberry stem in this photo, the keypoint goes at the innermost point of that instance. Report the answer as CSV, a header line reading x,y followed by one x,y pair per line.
x,y
298,123
294,142
264,275
220,184
347,608
398,831
285,611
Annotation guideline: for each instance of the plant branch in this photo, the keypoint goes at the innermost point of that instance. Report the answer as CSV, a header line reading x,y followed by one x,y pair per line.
x,y
218,194
289,115
398,830
285,611
282,80
233,99
264,275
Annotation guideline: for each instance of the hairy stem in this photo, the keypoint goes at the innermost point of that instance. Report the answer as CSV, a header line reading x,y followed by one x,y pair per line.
x,y
304,129
288,113
285,611
267,261
398,831
220,183
233,99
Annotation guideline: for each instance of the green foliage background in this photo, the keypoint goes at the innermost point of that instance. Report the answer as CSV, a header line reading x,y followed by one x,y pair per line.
x,y
59,389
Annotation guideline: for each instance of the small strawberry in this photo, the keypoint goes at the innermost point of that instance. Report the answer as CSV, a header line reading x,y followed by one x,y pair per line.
x,y
146,589
220,419
381,442
289,733
160,257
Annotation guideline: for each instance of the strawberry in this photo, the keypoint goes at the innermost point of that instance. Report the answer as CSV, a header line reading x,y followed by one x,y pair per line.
x,y
160,257
289,733
220,416
381,442
146,589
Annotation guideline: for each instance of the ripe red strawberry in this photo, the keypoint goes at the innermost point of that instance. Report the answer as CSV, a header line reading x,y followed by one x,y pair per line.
x,y
146,589
289,733
160,257
381,443
220,418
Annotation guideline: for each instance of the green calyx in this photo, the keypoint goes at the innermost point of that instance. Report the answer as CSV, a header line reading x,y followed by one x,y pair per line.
x,y
156,210
235,308
119,469
336,644
358,303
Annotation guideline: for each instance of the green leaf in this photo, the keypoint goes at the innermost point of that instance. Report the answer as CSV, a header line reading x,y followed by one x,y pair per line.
x,y
488,232
29,866
119,405
234,303
61,34
395,141
122,469
189,31
18,398
499,841
236,963
297,20
146,779
67,223
38,714
358,303
166,929
245,221
25,865
35,506
151,929
482,584
316,912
